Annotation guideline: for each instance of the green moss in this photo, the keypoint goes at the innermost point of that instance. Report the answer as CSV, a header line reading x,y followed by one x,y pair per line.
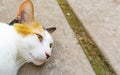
x,y
98,62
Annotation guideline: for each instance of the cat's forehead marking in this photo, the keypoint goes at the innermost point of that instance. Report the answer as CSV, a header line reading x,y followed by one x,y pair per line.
x,y
27,29
36,27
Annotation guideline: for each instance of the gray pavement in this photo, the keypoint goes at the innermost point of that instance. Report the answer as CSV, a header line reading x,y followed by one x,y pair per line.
x,y
68,58
101,18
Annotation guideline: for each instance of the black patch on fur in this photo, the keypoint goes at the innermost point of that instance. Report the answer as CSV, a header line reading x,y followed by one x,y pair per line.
x,y
13,21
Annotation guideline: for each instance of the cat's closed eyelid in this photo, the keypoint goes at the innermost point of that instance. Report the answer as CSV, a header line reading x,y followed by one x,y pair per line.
x,y
51,45
39,37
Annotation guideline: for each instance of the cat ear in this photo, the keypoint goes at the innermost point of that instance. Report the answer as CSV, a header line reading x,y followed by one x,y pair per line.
x,y
25,14
22,29
51,30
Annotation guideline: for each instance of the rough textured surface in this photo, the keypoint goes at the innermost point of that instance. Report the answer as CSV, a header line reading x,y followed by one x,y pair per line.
x,y
101,18
68,57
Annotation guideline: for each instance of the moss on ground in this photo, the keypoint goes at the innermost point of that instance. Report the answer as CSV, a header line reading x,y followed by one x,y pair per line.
x,y
98,62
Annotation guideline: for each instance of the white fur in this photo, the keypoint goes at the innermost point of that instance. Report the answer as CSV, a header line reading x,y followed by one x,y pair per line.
x,y
15,50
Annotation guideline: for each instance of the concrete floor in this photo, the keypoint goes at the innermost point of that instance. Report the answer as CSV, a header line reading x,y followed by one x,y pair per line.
x,y
68,58
101,18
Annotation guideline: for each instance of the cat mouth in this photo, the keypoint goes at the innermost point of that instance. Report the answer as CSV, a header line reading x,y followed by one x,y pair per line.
x,y
36,59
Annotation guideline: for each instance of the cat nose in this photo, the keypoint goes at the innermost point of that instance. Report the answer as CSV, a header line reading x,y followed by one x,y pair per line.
x,y
48,54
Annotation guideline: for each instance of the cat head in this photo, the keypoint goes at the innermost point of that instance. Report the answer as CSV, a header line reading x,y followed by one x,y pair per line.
x,y
35,42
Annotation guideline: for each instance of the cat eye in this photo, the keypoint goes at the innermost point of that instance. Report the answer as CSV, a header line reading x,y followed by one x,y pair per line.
x,y
51,45
39,37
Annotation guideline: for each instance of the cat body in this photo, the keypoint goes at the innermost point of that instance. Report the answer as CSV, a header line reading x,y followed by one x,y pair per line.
x,y
8,50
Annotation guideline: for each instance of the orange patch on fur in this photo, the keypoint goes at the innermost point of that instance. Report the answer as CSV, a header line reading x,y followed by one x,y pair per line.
x,y
33,28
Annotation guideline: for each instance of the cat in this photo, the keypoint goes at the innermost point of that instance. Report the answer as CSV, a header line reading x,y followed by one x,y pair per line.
x,y
25,41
